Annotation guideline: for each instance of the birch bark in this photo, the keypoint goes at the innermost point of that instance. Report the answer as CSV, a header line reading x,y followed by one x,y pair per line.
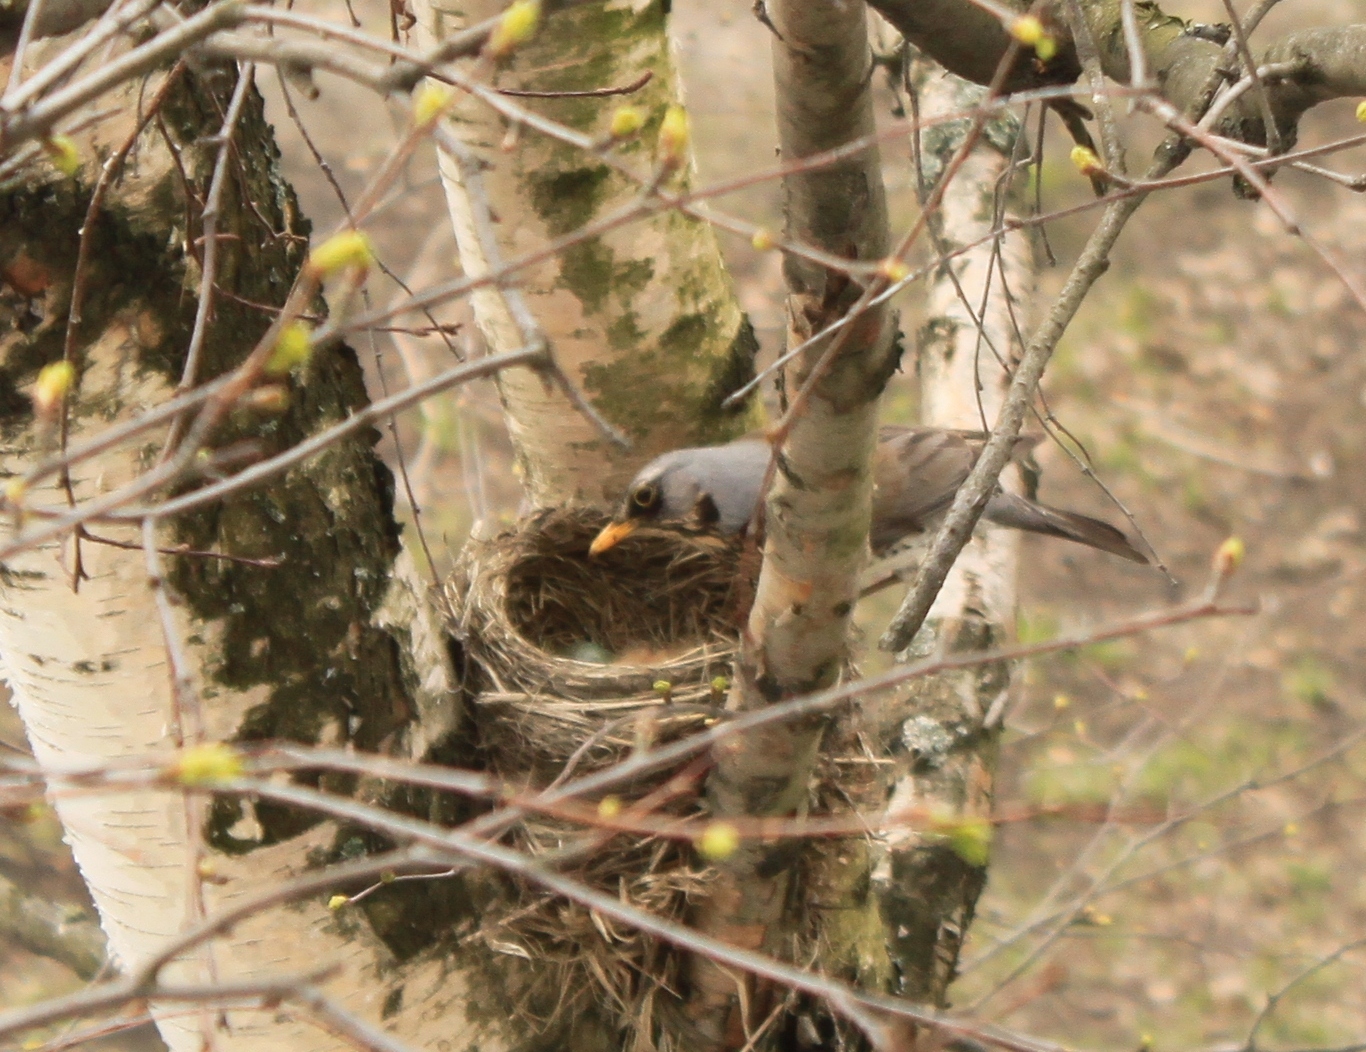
x,y
942,737
643,317
314,633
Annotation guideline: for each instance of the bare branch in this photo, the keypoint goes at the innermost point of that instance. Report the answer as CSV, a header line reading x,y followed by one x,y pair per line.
x,y
48,929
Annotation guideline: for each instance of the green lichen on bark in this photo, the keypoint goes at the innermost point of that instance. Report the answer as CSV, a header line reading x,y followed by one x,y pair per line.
x,y
299,631
591,271
617,386
931,894
130,269
706,351
851,931
588,47
567,199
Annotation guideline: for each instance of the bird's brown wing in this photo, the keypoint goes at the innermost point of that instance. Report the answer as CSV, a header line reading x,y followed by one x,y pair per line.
x,y
916,473
975,440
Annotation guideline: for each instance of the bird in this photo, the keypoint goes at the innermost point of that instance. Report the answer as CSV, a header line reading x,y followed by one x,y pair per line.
x,y
916,472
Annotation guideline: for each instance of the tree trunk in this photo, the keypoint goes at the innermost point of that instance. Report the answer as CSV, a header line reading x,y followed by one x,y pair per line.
x,y
641,315
817,511
942,734
300,625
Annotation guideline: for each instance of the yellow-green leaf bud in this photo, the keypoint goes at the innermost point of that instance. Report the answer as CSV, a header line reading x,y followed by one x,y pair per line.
x,y
293,347
516,27
718,841
350,248
1030,32
430,101
206,764
626,121
1229,556
54,381
894,270
969,838
673,137
1086,161
61,151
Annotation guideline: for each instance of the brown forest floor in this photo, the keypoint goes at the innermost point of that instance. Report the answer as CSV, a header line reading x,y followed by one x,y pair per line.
x,y
1218,380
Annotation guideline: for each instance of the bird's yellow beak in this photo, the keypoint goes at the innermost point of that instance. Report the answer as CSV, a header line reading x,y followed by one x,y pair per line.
x,y
612,534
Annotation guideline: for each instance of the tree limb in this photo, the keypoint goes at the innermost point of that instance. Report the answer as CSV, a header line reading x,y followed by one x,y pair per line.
x,y
71,937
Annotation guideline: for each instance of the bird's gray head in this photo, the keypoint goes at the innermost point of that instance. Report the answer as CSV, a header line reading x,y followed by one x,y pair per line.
x,y
709,486
672,487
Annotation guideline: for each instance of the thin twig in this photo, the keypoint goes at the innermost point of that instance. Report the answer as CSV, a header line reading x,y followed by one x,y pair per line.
x,y
531,357
26,30
1273,133
164,48
1139,77
1273,1000
595,93
115,505
208,218
115,20
112,995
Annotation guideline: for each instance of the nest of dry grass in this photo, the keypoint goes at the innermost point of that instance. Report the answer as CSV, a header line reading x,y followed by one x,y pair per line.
x,y
566,657
572,651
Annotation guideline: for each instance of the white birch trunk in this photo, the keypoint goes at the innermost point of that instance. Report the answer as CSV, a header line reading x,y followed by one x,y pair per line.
x,y
91,678
927,891
643,318
963,376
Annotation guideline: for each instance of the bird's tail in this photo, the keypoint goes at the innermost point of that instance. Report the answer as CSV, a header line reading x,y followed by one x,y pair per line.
x,y
1006,509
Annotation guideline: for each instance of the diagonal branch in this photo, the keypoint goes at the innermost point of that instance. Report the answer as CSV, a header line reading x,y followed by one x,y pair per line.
x,y
51,930
971,499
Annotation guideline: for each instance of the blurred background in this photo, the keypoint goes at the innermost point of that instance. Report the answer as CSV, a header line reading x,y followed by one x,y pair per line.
x,y
1183,862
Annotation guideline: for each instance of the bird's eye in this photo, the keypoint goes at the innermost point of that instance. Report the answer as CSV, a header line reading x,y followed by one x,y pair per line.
x,y
645,496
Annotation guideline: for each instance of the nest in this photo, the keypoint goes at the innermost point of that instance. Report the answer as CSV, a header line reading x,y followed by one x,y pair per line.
x,y
574,654
568,662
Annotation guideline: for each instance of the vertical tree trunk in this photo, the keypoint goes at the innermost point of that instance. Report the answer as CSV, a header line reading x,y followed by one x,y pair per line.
x,y
281,638
818,509
642,316
943,731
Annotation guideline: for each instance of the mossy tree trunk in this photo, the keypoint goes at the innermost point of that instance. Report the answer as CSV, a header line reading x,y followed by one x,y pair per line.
x,y
642,315
303,622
